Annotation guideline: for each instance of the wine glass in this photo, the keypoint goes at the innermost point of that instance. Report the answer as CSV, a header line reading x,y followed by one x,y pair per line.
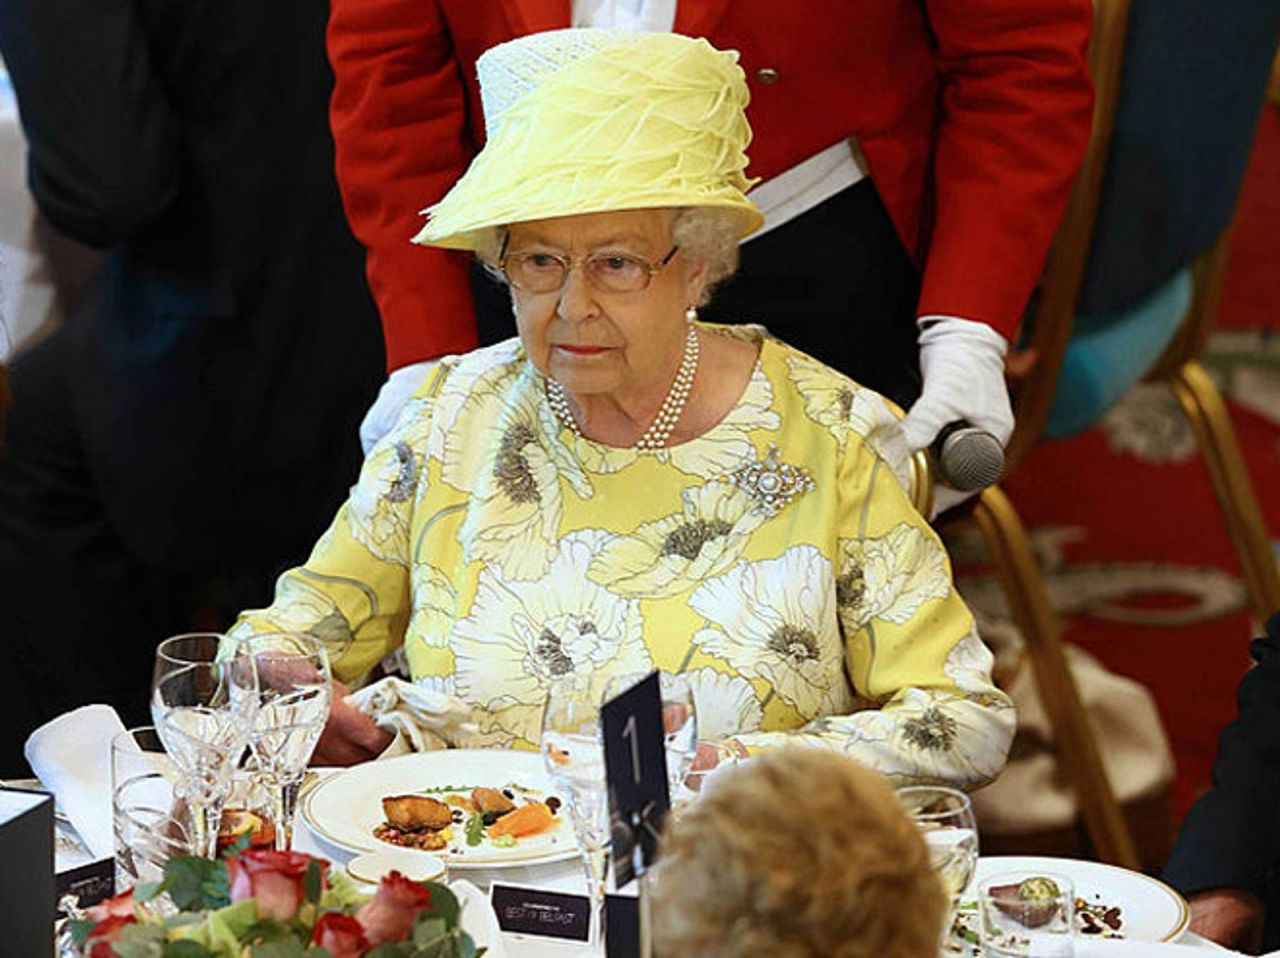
x,y
295,688
946,822
573,752
203,697
679,720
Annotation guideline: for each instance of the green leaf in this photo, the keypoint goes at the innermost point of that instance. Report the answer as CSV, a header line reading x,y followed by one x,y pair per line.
x,y
187,949
147,890
314,881
236,847
342,893
444,904
137,949
195,884
80,928
292,948
428,931
475,829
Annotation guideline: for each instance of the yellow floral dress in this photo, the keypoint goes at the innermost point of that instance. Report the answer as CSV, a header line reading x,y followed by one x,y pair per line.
x,y
775,560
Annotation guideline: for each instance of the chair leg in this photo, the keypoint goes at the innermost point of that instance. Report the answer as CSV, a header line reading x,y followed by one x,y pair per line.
x,y
1207,412
1016,568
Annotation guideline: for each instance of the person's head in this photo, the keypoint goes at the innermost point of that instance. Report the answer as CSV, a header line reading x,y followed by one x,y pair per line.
x,y
799,853
610,195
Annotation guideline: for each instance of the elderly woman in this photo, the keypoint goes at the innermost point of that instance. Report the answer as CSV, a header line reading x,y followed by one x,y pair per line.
x,y
624,488
737,879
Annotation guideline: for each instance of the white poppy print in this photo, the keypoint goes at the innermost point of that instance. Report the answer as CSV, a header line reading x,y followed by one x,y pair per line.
x,y
776,620
513,514
890,577
669,555
435,605
300,608
381,503
843,407
471,382
969,665
522,636
728,443
927,737
726,705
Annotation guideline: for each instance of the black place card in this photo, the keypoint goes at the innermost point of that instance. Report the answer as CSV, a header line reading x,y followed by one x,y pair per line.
x,y
621,926
635,764
536,911
90,883
26,878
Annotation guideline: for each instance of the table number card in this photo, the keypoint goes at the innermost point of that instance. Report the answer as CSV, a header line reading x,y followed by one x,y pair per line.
x,y
26,837
635,764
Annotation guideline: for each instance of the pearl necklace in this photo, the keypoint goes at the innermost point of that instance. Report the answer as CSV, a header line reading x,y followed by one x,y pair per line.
x,y
659,431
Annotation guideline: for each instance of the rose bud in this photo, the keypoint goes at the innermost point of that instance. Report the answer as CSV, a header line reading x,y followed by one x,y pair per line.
x,y
275,880
389,916
341,935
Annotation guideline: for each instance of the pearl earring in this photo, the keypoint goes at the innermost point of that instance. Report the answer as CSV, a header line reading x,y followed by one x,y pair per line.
x,y
691,314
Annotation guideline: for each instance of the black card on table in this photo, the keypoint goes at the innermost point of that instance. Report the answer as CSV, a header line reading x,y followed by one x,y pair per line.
x,y
26,878
635,764
536,911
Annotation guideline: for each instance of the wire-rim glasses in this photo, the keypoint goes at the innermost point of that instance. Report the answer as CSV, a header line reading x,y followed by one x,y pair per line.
x,y
536,271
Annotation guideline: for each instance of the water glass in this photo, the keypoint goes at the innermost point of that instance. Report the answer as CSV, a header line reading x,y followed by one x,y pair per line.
x,y
1027,916
295,689
573,753
950,832
679,721
151,821
204,695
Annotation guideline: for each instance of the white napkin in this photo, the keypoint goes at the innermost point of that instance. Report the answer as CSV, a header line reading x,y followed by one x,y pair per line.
x,y
479,919
71,756
421,719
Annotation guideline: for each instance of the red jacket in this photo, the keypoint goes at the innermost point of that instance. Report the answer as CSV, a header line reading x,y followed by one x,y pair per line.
x,y
972,114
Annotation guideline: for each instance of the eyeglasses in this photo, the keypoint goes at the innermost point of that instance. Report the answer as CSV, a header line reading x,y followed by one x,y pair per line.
x,y
610,272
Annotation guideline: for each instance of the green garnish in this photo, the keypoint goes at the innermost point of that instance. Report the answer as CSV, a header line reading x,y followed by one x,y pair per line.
x,y
504,841
475,828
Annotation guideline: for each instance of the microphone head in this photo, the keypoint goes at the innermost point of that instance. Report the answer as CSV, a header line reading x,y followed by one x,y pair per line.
x,y
970,458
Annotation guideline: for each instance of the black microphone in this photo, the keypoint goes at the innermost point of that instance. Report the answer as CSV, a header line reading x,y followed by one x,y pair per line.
x,y
968,458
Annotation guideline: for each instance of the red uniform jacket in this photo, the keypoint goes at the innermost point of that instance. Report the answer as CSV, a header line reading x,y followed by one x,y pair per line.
x,y
972,114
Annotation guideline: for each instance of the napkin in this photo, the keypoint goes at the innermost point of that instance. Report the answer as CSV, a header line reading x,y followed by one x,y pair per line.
x,y
479,919
71,755
421,719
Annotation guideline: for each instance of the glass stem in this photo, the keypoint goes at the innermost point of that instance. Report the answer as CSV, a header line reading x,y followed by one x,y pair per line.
x,y
596,864
284,802
206,820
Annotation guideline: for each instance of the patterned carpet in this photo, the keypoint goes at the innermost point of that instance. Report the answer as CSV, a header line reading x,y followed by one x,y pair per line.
x,y
1124,520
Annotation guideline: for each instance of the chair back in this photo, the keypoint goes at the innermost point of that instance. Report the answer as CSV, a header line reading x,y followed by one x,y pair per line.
x,y
1179,87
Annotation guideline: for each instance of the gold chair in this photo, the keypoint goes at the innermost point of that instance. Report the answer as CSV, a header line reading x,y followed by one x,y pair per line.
x,y
1010,549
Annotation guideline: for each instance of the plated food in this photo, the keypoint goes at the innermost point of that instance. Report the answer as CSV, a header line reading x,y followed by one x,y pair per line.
x,y
454,819
346,808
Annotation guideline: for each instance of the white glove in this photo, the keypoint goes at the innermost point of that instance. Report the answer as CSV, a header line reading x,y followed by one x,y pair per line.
x,y
395,392
962,364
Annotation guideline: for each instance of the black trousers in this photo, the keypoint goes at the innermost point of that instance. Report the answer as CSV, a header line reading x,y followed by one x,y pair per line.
x,y
834,282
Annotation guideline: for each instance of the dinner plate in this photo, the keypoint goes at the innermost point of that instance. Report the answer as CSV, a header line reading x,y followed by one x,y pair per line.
x,y
1150,910
345,808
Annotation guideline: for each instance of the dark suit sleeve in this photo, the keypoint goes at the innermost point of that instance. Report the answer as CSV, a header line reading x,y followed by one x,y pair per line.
x,y
1231,837
103,144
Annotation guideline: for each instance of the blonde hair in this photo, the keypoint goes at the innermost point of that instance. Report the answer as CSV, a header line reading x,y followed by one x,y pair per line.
x,y
707,233
800,853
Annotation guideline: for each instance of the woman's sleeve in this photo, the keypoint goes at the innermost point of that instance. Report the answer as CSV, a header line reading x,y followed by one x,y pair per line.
x,y
354,591
929,711
400,130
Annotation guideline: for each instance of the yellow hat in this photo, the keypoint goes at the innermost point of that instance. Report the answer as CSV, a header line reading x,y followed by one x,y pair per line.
x,y
588,121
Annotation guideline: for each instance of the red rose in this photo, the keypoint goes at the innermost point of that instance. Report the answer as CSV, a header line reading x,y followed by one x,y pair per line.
x,y
275,880
389,916
107,931
340,934
119,906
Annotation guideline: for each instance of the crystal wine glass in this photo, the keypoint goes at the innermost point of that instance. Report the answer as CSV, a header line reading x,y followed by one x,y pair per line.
x,y
946,822
203,698
574,756
295,688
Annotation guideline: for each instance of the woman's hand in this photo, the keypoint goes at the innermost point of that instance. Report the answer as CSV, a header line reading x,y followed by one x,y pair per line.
x,y
1229,916
350,736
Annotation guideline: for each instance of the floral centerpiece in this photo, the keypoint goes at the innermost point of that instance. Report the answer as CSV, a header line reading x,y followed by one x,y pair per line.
x,y
269,904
